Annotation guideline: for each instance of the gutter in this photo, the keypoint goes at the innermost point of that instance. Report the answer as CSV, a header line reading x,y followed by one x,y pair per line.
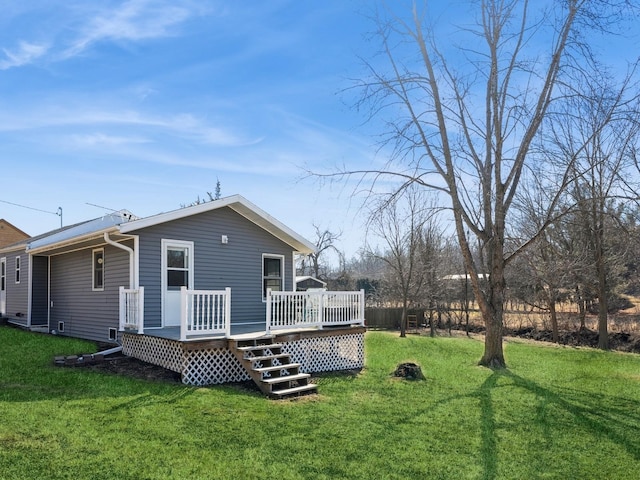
x,y
131,257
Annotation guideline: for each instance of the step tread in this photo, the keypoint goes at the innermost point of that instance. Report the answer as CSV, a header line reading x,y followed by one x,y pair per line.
x,y
259,347
266,357
292,390
286,378
276,367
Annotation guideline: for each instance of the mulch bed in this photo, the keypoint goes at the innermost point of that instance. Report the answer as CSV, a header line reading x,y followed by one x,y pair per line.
x,y
133,367
620,341
119,364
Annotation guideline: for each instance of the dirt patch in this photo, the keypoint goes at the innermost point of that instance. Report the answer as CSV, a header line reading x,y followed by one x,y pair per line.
x,y
619,340
132,367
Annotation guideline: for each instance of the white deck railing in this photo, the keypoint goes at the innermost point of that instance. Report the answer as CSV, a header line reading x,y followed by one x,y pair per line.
x,y
205,312
290,310
208,312
132,309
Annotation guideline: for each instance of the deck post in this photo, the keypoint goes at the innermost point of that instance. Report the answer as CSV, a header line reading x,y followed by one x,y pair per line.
x,y
122,309
268,306
140,312
362,306
183,313
321,310
227,311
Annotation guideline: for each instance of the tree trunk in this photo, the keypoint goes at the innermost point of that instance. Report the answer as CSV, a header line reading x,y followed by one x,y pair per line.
x,y
432,327
582,309
403,320
603,320
603,303
493,354
554,320
493,311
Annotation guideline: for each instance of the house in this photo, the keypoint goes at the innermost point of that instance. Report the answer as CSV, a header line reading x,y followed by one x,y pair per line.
x,y
207,291
306,282
10,234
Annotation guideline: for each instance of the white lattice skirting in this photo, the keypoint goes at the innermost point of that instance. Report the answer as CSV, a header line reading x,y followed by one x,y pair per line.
x,y
327,354
207,366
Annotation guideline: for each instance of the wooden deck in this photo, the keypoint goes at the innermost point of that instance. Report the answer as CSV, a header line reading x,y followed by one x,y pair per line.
x,y
210,360
173,333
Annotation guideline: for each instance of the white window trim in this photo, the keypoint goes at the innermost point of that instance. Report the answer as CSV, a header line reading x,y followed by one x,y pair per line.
x,y
18,276
93,270
282,266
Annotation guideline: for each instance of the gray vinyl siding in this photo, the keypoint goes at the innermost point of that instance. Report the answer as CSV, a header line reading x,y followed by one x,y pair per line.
x,y
86,313
237,264
39,290
17,293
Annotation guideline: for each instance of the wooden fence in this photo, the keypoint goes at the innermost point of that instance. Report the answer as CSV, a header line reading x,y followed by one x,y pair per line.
x,y
390,318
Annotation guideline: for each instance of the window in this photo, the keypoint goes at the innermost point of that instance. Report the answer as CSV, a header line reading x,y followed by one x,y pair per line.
x,y
98,269
177,268
17,269
272,273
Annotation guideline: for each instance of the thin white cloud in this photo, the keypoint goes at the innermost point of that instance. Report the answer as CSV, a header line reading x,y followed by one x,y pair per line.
x,y
186,126
23,55
105,140
75,27
133,20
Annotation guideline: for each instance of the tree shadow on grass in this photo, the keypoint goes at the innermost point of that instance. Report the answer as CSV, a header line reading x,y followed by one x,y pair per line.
x,y
612,417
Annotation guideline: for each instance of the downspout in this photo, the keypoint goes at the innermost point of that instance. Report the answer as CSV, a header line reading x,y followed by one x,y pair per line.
x,y
131,275
131,257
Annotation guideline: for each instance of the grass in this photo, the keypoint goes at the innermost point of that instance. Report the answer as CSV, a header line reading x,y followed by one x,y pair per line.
x,y
555,413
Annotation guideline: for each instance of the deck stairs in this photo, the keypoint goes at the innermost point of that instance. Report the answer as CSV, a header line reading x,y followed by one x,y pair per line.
x,y
270,368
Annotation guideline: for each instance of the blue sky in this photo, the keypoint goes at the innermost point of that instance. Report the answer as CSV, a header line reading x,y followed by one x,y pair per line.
x,y
143,104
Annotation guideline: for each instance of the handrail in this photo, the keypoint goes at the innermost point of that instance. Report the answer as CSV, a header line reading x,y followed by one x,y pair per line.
x,y
205,312
287,310
131,309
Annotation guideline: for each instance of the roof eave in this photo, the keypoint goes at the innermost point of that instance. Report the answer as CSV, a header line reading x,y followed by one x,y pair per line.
x,y
70,242
240,205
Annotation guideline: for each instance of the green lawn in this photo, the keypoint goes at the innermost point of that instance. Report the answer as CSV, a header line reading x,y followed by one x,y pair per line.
x,y
556,413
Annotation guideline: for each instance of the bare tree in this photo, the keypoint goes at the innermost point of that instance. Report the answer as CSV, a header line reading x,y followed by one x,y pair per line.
x,y
404,225
466,129
325,241
600,134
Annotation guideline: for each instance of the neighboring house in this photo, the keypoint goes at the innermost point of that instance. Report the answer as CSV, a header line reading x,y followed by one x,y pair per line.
x,y
305,282
173,285
10,234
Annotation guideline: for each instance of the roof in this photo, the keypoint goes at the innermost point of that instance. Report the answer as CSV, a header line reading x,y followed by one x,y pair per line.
x,y
240,205
79,232
124,222
308,277
462,276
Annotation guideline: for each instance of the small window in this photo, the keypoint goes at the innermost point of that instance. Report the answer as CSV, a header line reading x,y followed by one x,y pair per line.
x,y
98,269
17,269
272,273
177,268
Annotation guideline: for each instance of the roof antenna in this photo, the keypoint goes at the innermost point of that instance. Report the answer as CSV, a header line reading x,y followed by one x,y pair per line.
x,y
58,212
103,208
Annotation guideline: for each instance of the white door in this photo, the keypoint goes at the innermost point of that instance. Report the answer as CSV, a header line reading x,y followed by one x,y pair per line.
x,y
177,271
3,286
